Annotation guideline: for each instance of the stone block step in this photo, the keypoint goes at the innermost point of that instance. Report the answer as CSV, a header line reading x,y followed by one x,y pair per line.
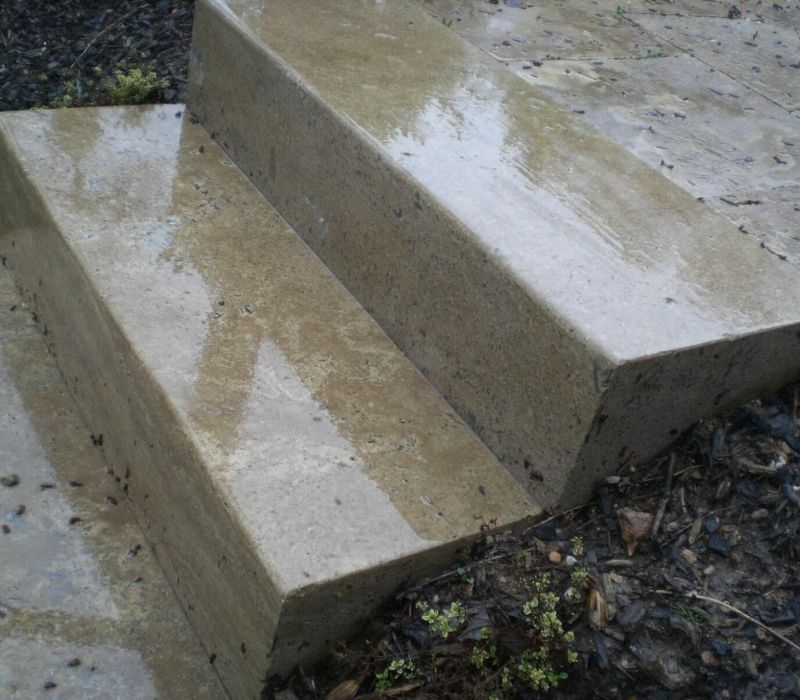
x,y
575,307
289,465
85,610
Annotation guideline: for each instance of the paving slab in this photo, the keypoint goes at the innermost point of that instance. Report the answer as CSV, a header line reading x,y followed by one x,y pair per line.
x,y
85,610
772,216
289,464
708,132
764,56
701,129
761,10
547,30
559,293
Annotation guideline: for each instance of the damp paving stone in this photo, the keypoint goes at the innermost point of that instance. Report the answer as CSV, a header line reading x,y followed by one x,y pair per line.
x,y
68,594
764,56
563,30
772,216
716,135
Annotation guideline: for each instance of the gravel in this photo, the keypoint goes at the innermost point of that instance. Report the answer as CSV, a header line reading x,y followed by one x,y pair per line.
x,y
46,44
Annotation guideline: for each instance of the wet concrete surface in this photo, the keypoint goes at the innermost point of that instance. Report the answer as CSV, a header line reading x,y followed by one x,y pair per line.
x,y
536,272
85,610
704,93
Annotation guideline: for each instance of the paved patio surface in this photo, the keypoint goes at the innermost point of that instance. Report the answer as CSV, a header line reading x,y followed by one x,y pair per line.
x,y
706,92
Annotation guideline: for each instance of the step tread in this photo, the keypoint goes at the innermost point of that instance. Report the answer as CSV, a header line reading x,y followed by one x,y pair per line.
x,y
333,452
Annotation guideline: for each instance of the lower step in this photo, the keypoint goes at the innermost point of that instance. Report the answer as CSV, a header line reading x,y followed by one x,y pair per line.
x,y
85,611
290,466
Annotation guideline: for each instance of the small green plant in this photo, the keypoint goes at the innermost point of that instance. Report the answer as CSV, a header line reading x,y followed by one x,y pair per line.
x,y
136,87
481,655
538,665
535,668
620,10
74,95
397,670
655,54
579,576
692,615
546,648
578,549
444,622
465,575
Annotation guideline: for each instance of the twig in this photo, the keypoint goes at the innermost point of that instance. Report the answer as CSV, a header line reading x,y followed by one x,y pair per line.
x,y
747,465
104,30
496,557
675,534
662,504
731,608
791,495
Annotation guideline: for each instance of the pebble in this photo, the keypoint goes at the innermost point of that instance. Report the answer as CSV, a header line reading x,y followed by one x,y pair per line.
x,y
759,514
720,648
708,658
10,480
613,479
719,544
554,557
546,531
689,556
570,560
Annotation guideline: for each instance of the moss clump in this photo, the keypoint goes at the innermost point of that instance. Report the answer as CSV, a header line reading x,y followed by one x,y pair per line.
x,y
136,87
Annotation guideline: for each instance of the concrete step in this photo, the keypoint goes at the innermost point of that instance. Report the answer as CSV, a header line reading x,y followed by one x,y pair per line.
x,y
85,610
575,307
290,466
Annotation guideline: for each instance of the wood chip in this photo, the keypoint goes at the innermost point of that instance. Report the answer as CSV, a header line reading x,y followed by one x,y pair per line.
x,y
344,691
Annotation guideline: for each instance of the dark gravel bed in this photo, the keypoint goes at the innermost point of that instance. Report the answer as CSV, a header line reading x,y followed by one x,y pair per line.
x,y
44,44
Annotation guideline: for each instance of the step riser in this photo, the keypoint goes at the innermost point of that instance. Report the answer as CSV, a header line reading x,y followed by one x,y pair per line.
x,y
522,361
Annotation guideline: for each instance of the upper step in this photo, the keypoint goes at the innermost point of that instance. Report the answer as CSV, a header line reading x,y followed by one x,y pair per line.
x,y
574,306
290,465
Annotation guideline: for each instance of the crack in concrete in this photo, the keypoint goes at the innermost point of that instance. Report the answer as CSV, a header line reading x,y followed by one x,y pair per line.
x,y
688,52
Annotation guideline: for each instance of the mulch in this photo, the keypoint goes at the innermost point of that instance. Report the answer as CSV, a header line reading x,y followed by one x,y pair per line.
x,y
46,43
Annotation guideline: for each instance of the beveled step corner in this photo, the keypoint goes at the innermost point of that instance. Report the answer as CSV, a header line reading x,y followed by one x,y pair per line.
x,y
575,307
289,465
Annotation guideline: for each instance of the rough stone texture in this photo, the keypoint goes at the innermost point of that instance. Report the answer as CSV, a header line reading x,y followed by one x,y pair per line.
x,y
698,127
772,216
290,465
697,117
553,29
764,56
559,293
90,591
